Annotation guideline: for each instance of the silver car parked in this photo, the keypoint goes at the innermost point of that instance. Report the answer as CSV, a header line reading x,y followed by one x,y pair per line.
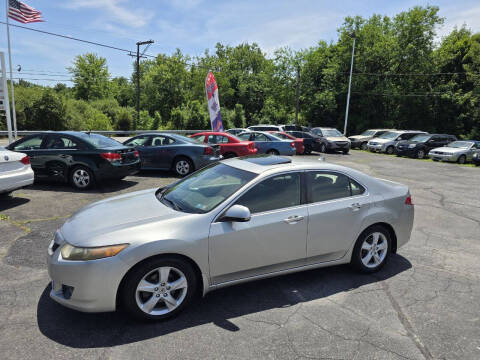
x,y
387,141
237,220
456,151
361,141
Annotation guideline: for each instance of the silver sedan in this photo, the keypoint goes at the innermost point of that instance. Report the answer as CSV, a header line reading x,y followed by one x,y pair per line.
x,y
237,220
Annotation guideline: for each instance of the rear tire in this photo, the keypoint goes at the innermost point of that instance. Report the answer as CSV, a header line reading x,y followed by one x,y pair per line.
x,y
462,159
372,249
420,154
229,155
323,148
345,152
182,166
81,178
159,300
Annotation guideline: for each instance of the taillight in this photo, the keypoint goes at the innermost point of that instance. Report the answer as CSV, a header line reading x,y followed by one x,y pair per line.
x,y
111,156
136,154
25,160
408,200
208,151
292,144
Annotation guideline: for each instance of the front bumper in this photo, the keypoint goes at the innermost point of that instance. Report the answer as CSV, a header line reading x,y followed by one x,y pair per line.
x,y
443,157
335,146
10,181
95,282
376,147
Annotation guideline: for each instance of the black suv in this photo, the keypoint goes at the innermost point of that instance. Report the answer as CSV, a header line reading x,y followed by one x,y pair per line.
x,y
420,145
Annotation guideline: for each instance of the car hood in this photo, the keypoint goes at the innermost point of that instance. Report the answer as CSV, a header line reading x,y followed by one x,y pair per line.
x,y
381,141
450,149
359,137
89,225
336,138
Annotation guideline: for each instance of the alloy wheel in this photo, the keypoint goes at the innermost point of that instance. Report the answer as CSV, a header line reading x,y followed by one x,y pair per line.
x,y
374,250
182,167
420,154
161,291
81,178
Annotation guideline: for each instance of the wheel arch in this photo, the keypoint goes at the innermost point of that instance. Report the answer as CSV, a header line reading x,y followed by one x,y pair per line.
x,y
176,157
202,282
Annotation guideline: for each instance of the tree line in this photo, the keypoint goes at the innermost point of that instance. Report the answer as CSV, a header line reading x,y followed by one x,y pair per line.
x,y
404,77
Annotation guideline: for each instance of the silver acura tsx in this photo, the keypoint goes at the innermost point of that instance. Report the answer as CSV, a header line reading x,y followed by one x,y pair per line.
x,y
237,220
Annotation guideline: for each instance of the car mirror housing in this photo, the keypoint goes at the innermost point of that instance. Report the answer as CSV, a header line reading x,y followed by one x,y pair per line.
x,y
236,213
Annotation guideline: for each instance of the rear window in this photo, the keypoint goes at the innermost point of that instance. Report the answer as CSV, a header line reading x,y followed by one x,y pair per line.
x,y
99,141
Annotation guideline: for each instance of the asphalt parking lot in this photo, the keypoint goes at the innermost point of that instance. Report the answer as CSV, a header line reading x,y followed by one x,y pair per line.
x,y
423,305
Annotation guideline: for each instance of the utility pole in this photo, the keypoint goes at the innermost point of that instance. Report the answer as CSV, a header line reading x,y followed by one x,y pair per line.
x,y
297,95
138,80
352,35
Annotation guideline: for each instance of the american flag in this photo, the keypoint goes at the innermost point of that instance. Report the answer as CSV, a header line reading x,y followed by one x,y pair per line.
x,y
23,13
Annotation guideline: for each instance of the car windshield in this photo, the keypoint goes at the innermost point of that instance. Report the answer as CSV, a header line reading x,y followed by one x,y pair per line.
x,y
389,135
461,144
420,138
368,133
205,189
99,141
332,132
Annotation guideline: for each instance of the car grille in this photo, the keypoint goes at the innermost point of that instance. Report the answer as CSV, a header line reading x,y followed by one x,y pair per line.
x,y
341,143
373,143
438,153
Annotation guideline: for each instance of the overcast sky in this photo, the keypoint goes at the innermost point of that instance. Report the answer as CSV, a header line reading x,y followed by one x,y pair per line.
x,y
193,26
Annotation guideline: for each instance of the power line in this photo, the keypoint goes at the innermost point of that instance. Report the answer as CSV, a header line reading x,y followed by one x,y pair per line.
x,y
46,79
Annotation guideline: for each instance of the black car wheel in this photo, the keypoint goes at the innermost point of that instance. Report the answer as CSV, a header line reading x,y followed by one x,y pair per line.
x,y
81,177
372,249
229,155
364,146
159,288
390,150
308,150
345,152
420,154
182,166
273,152
323,148
462,159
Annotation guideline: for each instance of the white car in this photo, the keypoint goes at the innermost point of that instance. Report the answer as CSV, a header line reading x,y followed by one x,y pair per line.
x,y
15,171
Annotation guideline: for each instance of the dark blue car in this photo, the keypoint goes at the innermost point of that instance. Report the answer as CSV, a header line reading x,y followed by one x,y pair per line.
x,y
267,143
162,151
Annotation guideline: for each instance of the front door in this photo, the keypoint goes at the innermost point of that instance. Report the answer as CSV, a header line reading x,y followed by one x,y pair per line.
x,y
337,207
273,239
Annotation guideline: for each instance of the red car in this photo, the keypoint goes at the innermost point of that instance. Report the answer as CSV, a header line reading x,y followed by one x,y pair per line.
x,y
298,142
230,146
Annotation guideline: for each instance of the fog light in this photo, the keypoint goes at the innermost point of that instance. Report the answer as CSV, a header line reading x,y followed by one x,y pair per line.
x,y
67,291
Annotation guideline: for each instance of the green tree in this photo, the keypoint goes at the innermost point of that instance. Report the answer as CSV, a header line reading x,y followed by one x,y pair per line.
x,y
91,77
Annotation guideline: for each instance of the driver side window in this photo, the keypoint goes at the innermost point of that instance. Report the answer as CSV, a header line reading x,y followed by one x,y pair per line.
x,y
277,192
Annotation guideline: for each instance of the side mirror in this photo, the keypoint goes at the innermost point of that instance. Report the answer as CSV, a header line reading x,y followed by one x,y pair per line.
x,y
236,213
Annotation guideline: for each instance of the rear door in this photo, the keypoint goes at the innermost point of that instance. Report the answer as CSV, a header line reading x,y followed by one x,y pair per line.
x,y
32,146
160,152
337,206
273,239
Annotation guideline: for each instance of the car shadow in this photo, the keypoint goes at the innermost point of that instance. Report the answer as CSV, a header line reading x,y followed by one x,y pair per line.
x,y
11,201
83,330
107,186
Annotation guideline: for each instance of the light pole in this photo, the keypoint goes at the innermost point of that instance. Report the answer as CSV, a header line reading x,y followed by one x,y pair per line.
x,y
352,35
138,79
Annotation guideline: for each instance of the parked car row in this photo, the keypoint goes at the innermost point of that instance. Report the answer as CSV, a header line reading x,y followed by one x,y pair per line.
x,y
418,144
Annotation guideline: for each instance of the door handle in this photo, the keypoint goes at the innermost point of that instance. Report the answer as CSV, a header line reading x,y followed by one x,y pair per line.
x,y
293,219
355,206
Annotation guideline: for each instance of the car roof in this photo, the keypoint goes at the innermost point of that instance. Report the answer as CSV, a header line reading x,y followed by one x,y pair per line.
x,y
260,164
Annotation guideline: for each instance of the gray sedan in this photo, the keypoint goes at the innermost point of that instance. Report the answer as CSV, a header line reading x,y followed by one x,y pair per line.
x,y
237,220
456,151
173,152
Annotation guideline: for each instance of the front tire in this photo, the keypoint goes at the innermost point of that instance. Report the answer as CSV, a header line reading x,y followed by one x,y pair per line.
x,y
462,159
420,154
390,150
81,177
345,152
159,288
372,249
182,166
364,146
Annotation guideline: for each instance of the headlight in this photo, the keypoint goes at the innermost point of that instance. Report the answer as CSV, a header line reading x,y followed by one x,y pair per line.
x,y
475,155
70,252
411,146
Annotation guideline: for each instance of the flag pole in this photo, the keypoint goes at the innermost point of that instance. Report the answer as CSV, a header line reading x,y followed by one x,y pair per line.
x,y
11,75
